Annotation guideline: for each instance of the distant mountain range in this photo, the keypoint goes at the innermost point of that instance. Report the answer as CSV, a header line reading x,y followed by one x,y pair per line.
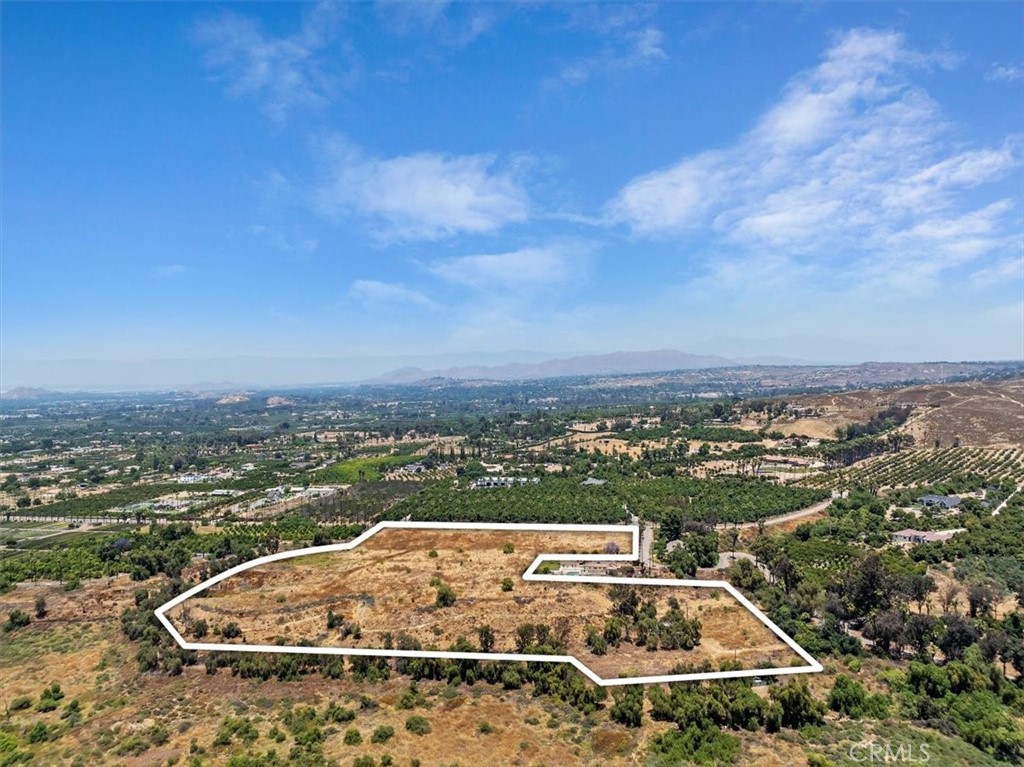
x,y
58,380
616,363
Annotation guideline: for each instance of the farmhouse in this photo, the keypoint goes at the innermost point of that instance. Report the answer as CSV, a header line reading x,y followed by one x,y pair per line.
x,y
945,501
587,568
910,536
489,482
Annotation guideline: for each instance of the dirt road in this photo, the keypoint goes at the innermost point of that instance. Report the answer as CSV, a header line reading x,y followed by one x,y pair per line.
x,y
769,521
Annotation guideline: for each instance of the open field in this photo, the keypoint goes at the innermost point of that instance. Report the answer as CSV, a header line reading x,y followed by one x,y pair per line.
x,y
388,585
977,413
162,716
605,442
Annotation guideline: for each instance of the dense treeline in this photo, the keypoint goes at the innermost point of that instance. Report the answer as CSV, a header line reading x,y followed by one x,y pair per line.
x,y
552,500
883,421
725,499
165,550
820,591
559,499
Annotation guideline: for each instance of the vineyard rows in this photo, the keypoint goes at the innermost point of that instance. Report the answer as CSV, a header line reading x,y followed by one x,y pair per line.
x,y
925,467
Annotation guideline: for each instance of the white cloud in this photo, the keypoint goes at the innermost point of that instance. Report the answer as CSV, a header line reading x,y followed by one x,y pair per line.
x,y
426,195
376,293
1006,73
533,269
855,169
282,72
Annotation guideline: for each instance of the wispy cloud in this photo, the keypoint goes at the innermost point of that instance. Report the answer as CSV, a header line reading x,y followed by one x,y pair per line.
x,y
291,240
283,73
527,269
855,168
169,270
374,292
1005,73
427,196
627,50
446,23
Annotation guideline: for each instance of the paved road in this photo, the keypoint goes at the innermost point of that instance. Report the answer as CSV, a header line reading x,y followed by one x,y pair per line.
x,y
646,541
726,558
799,513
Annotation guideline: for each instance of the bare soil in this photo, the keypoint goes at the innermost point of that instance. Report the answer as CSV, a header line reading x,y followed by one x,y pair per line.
x,y
385,587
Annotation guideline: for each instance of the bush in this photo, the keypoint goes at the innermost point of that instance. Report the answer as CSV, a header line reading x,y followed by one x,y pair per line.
x,y
38,734
508,548
445,596
132,746
352,737
417,725
382,734
40,607
21,703
50,698
693,745
484,728
16,620
338,714
847,697
506,584
231,631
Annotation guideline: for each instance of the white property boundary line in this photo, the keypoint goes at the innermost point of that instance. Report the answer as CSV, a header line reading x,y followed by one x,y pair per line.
x,y
812,666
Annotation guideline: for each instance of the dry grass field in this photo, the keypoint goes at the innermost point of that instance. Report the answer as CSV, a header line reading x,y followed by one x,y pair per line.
x,y
95,665
385,586
977,413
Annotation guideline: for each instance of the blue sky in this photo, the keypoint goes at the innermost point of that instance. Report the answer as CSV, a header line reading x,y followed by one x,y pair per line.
x,y
821,181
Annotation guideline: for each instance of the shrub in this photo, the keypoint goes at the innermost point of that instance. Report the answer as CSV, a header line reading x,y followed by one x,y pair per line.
x,y
847,697
352,737
132,746
21,703
49,699
231,631
382,734
484,728
417,725
40,607
16,620
508,548
445,596
338,714
506,584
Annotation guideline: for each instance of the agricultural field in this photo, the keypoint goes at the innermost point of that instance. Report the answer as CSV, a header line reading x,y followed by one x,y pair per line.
x,y
922,467
556,499
366,469
391,587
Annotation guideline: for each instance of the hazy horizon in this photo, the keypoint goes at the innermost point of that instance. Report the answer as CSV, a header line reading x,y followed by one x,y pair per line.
x,y
248,370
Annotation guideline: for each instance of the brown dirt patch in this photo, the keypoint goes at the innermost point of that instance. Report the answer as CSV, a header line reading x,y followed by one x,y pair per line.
x,y
385,587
